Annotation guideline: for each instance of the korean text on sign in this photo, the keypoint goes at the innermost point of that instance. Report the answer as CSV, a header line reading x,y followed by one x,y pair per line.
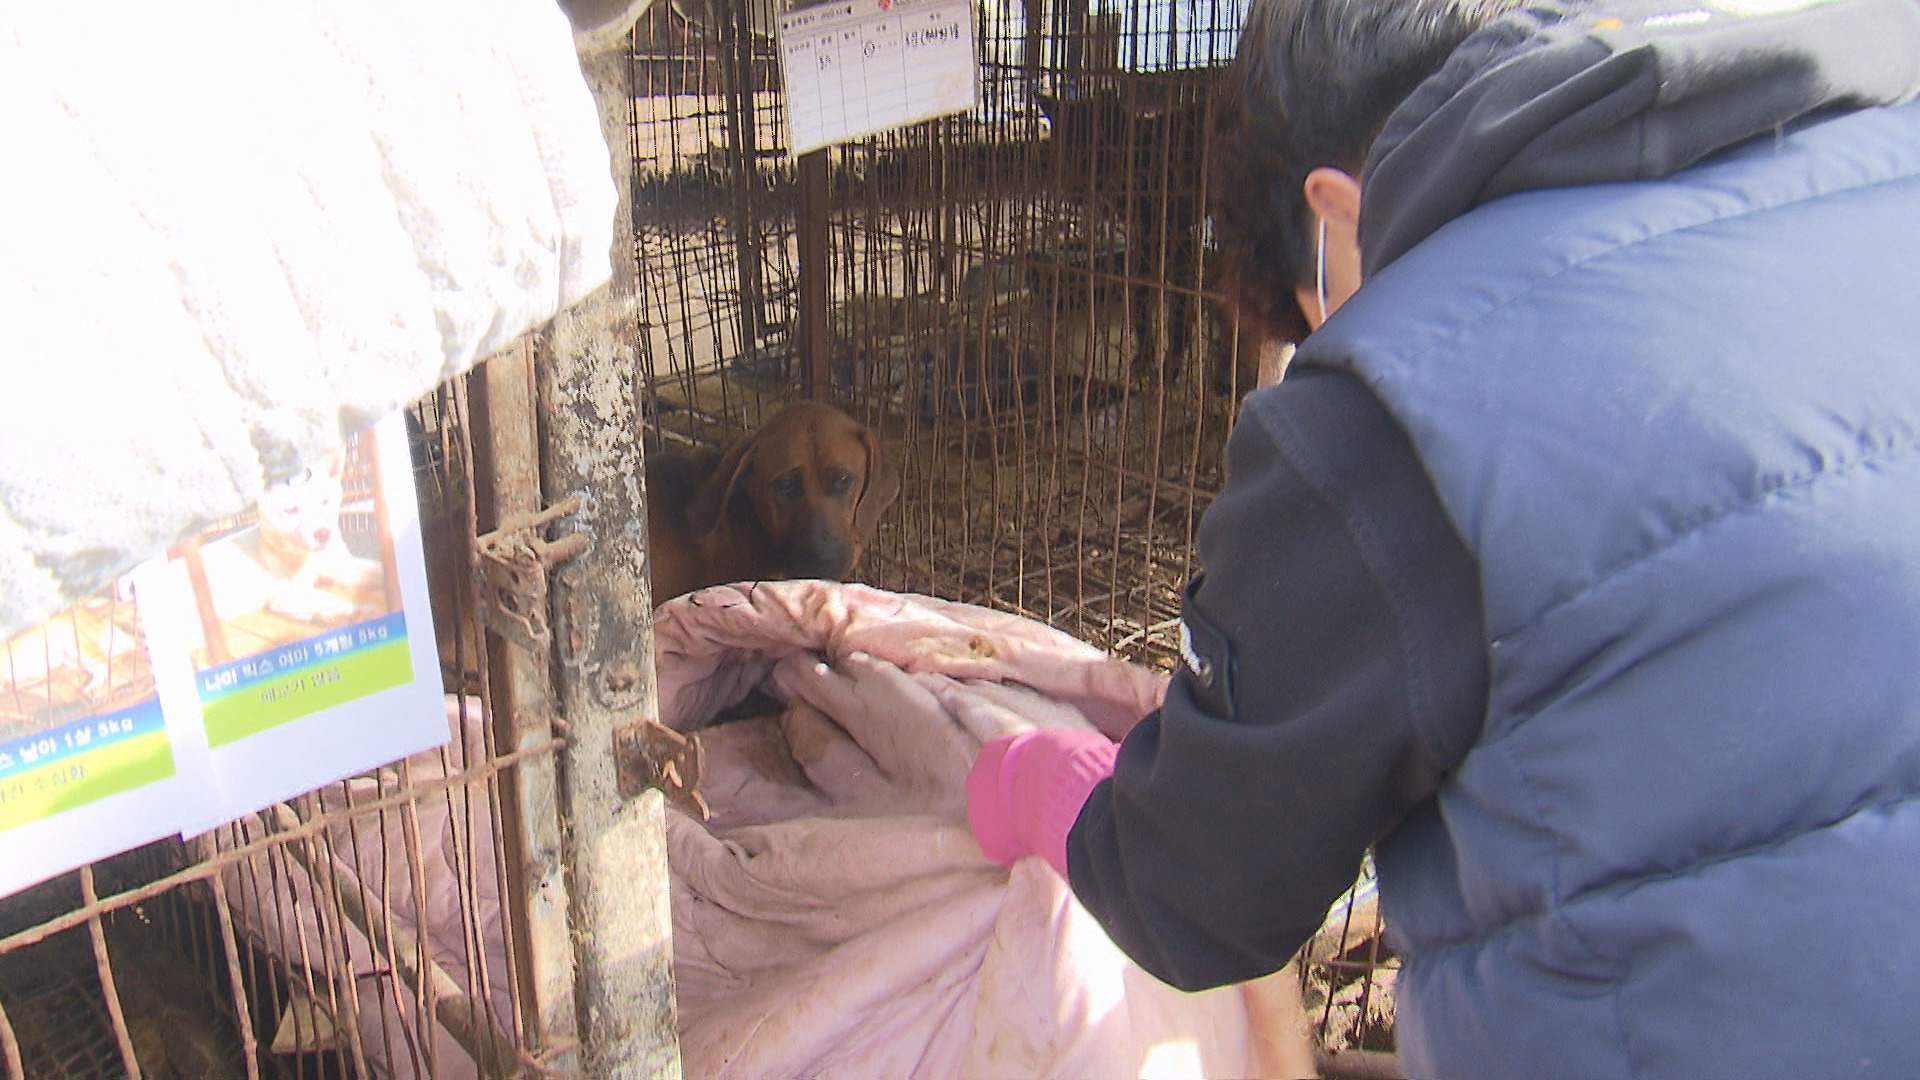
x,y
858,67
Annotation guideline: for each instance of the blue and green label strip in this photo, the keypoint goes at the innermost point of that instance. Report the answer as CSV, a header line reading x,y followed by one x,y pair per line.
x,y
83,761
285,683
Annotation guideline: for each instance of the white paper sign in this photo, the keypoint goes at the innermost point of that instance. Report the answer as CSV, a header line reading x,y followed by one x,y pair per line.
x,y
261,660
300,648
856,67
89,766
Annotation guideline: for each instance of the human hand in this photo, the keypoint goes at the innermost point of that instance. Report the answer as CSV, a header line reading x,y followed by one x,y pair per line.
x,y
1025,791
875,740
874,737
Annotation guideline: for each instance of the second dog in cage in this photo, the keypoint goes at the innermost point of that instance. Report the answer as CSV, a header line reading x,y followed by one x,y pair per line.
x,y
798,498
1132,150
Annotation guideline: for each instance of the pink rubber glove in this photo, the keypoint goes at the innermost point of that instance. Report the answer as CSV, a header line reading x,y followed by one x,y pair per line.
x,y
1024,791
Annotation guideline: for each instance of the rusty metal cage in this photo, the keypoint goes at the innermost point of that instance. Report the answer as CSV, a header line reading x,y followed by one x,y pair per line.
x,y
1018,298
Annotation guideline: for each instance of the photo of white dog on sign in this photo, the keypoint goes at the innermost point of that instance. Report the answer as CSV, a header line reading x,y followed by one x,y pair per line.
x,y
313,555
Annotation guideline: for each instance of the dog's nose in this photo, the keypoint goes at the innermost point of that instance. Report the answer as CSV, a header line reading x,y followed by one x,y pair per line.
x,y
322,536
821,554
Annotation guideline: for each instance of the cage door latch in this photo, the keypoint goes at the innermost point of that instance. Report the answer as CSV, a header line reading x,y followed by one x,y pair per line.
x,y
513,561
652,755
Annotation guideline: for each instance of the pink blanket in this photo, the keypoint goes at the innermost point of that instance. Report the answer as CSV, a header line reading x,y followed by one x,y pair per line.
x,y
835,918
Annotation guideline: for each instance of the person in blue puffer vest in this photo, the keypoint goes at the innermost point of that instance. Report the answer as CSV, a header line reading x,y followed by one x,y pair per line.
x,y
1575,565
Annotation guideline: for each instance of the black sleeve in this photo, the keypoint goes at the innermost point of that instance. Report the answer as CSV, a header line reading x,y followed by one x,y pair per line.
x,y
1335,670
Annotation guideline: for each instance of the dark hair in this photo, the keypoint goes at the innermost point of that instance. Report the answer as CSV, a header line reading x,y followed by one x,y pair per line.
x,y
1313,84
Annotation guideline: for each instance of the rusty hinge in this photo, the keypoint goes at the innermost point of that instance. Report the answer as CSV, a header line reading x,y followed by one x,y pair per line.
x,y
648,754
513,561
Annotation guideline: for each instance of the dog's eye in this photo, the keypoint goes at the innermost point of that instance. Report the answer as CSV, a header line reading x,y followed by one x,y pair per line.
x,y
838,483
788,484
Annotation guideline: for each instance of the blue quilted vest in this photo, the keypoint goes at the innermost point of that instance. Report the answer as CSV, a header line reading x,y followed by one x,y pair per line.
x,y
1677,423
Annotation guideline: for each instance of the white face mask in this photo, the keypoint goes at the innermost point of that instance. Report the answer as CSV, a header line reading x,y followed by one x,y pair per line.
x,y
1320,271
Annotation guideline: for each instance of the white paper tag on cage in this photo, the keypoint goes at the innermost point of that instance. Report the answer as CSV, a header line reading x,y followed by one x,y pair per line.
x,y
856,67
89,766
298,646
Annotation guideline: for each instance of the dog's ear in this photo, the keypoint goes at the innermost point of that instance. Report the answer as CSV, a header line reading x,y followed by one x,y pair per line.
x,y
709,506
881,488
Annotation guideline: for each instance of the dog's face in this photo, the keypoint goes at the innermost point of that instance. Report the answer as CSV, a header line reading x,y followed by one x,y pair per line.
x,y
304,512
814,481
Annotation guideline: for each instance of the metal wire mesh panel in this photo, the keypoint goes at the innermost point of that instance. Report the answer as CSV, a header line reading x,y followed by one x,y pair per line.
x,y
1025,314
1347,976
1017,297
713,208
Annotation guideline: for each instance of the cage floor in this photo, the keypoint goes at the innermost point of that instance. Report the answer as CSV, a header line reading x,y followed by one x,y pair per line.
x,y
53,996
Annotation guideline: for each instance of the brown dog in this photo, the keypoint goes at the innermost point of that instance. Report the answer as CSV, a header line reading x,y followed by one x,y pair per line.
x,y
798,498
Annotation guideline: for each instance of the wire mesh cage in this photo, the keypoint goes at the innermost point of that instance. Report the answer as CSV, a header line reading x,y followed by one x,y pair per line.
x,y
1018,298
